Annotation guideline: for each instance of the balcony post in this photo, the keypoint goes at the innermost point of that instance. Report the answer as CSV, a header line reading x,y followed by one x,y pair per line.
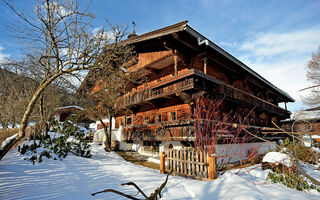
x,y
175,57
205,61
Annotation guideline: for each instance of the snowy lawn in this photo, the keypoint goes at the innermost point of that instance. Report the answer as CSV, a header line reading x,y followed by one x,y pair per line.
x,y
77,178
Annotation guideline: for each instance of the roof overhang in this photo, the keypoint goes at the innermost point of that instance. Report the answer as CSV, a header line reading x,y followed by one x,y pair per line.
x,y
184,27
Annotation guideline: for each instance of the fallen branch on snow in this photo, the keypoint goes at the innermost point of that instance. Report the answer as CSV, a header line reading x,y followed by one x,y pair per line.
x,y
153,196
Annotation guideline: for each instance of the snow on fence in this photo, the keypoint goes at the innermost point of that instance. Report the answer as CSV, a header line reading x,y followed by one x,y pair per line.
x,y
5,133
189,163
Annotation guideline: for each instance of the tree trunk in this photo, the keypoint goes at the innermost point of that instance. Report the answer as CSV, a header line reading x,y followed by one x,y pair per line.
x,y
44,125
105,128
110,130
32,102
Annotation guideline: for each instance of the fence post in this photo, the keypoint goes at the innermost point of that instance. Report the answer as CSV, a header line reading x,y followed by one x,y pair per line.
x,y
163,162
212,166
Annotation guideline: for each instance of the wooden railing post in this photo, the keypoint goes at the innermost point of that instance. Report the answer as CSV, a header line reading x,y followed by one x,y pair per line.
x,y
163,162
212,160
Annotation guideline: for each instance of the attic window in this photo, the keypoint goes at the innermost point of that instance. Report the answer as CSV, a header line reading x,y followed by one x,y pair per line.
x,y
146,120
129,121
172,116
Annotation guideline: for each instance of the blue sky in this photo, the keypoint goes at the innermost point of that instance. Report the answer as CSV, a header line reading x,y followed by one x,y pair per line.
x,y
275,38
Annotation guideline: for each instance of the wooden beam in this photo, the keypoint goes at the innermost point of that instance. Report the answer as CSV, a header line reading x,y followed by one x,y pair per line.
x,y
175,57
155,71
178,38
205,61
187,98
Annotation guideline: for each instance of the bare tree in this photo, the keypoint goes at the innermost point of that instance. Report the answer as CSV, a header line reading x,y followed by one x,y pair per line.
x,y
59,42
313,75
110,83
14,93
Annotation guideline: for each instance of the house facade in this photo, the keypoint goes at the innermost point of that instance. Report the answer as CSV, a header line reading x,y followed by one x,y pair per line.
x,y
181,65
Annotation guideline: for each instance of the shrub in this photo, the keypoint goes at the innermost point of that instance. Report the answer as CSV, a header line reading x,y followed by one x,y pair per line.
x,y
58,146
303,153
291,180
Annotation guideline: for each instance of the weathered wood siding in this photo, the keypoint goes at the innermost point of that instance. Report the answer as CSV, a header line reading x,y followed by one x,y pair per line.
x,y
149,57
183,112
145,126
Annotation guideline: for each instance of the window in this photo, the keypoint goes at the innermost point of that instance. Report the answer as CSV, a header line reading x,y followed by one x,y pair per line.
x,y
172,116
146,120
129,121
158,118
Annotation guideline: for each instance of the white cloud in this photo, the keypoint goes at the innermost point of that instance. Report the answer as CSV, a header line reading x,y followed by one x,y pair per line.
x,y
281,58
286,75
297,42
228,44
100,32
2,55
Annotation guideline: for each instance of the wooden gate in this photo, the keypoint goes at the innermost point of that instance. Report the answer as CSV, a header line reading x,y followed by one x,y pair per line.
x,y
190,163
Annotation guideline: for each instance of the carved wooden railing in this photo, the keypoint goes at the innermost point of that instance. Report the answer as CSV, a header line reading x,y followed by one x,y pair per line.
x,y
148,93
188,80
241,96
170,130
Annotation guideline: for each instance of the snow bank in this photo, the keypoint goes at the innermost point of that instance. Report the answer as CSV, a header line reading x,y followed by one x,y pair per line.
x,y
277,158
7,141
77,178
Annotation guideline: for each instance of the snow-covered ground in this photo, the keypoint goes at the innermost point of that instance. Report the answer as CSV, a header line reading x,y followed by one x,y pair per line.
x,y
77,178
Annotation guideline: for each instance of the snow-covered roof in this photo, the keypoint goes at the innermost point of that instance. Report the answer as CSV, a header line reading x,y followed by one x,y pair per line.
x,y
306,115
68,107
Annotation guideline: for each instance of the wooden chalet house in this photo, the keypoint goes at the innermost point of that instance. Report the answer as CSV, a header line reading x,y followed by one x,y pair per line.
x,y
180,65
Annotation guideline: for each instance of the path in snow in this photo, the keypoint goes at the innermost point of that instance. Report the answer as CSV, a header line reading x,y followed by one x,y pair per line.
x,y
77,178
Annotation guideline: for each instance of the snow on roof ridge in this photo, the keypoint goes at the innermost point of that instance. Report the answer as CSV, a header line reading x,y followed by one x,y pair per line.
x,y
72,106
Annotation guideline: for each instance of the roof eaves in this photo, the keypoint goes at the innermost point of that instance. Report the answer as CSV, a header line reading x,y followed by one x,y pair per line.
x,y
196,34
157,33
183,26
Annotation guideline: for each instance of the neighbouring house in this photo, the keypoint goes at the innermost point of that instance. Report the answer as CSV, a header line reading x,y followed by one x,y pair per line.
x,y
305,123
181,65
62,113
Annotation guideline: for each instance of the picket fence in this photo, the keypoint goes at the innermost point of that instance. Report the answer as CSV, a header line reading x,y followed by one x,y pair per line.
x,y
189,163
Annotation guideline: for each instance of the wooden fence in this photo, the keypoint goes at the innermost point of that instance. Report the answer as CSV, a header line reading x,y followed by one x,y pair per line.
x,y
189,163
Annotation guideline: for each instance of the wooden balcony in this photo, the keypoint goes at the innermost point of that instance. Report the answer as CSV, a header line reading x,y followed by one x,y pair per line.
x,y
192,81
161,88
243,97
183,130
179,130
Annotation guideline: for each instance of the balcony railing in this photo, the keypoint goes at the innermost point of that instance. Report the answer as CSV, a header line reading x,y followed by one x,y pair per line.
x,y
241,96
160,88
174,130
194,80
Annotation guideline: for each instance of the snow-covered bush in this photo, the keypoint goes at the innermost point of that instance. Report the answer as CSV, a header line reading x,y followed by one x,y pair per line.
x,y
277,158
67,138
302,153
291,180
284,172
